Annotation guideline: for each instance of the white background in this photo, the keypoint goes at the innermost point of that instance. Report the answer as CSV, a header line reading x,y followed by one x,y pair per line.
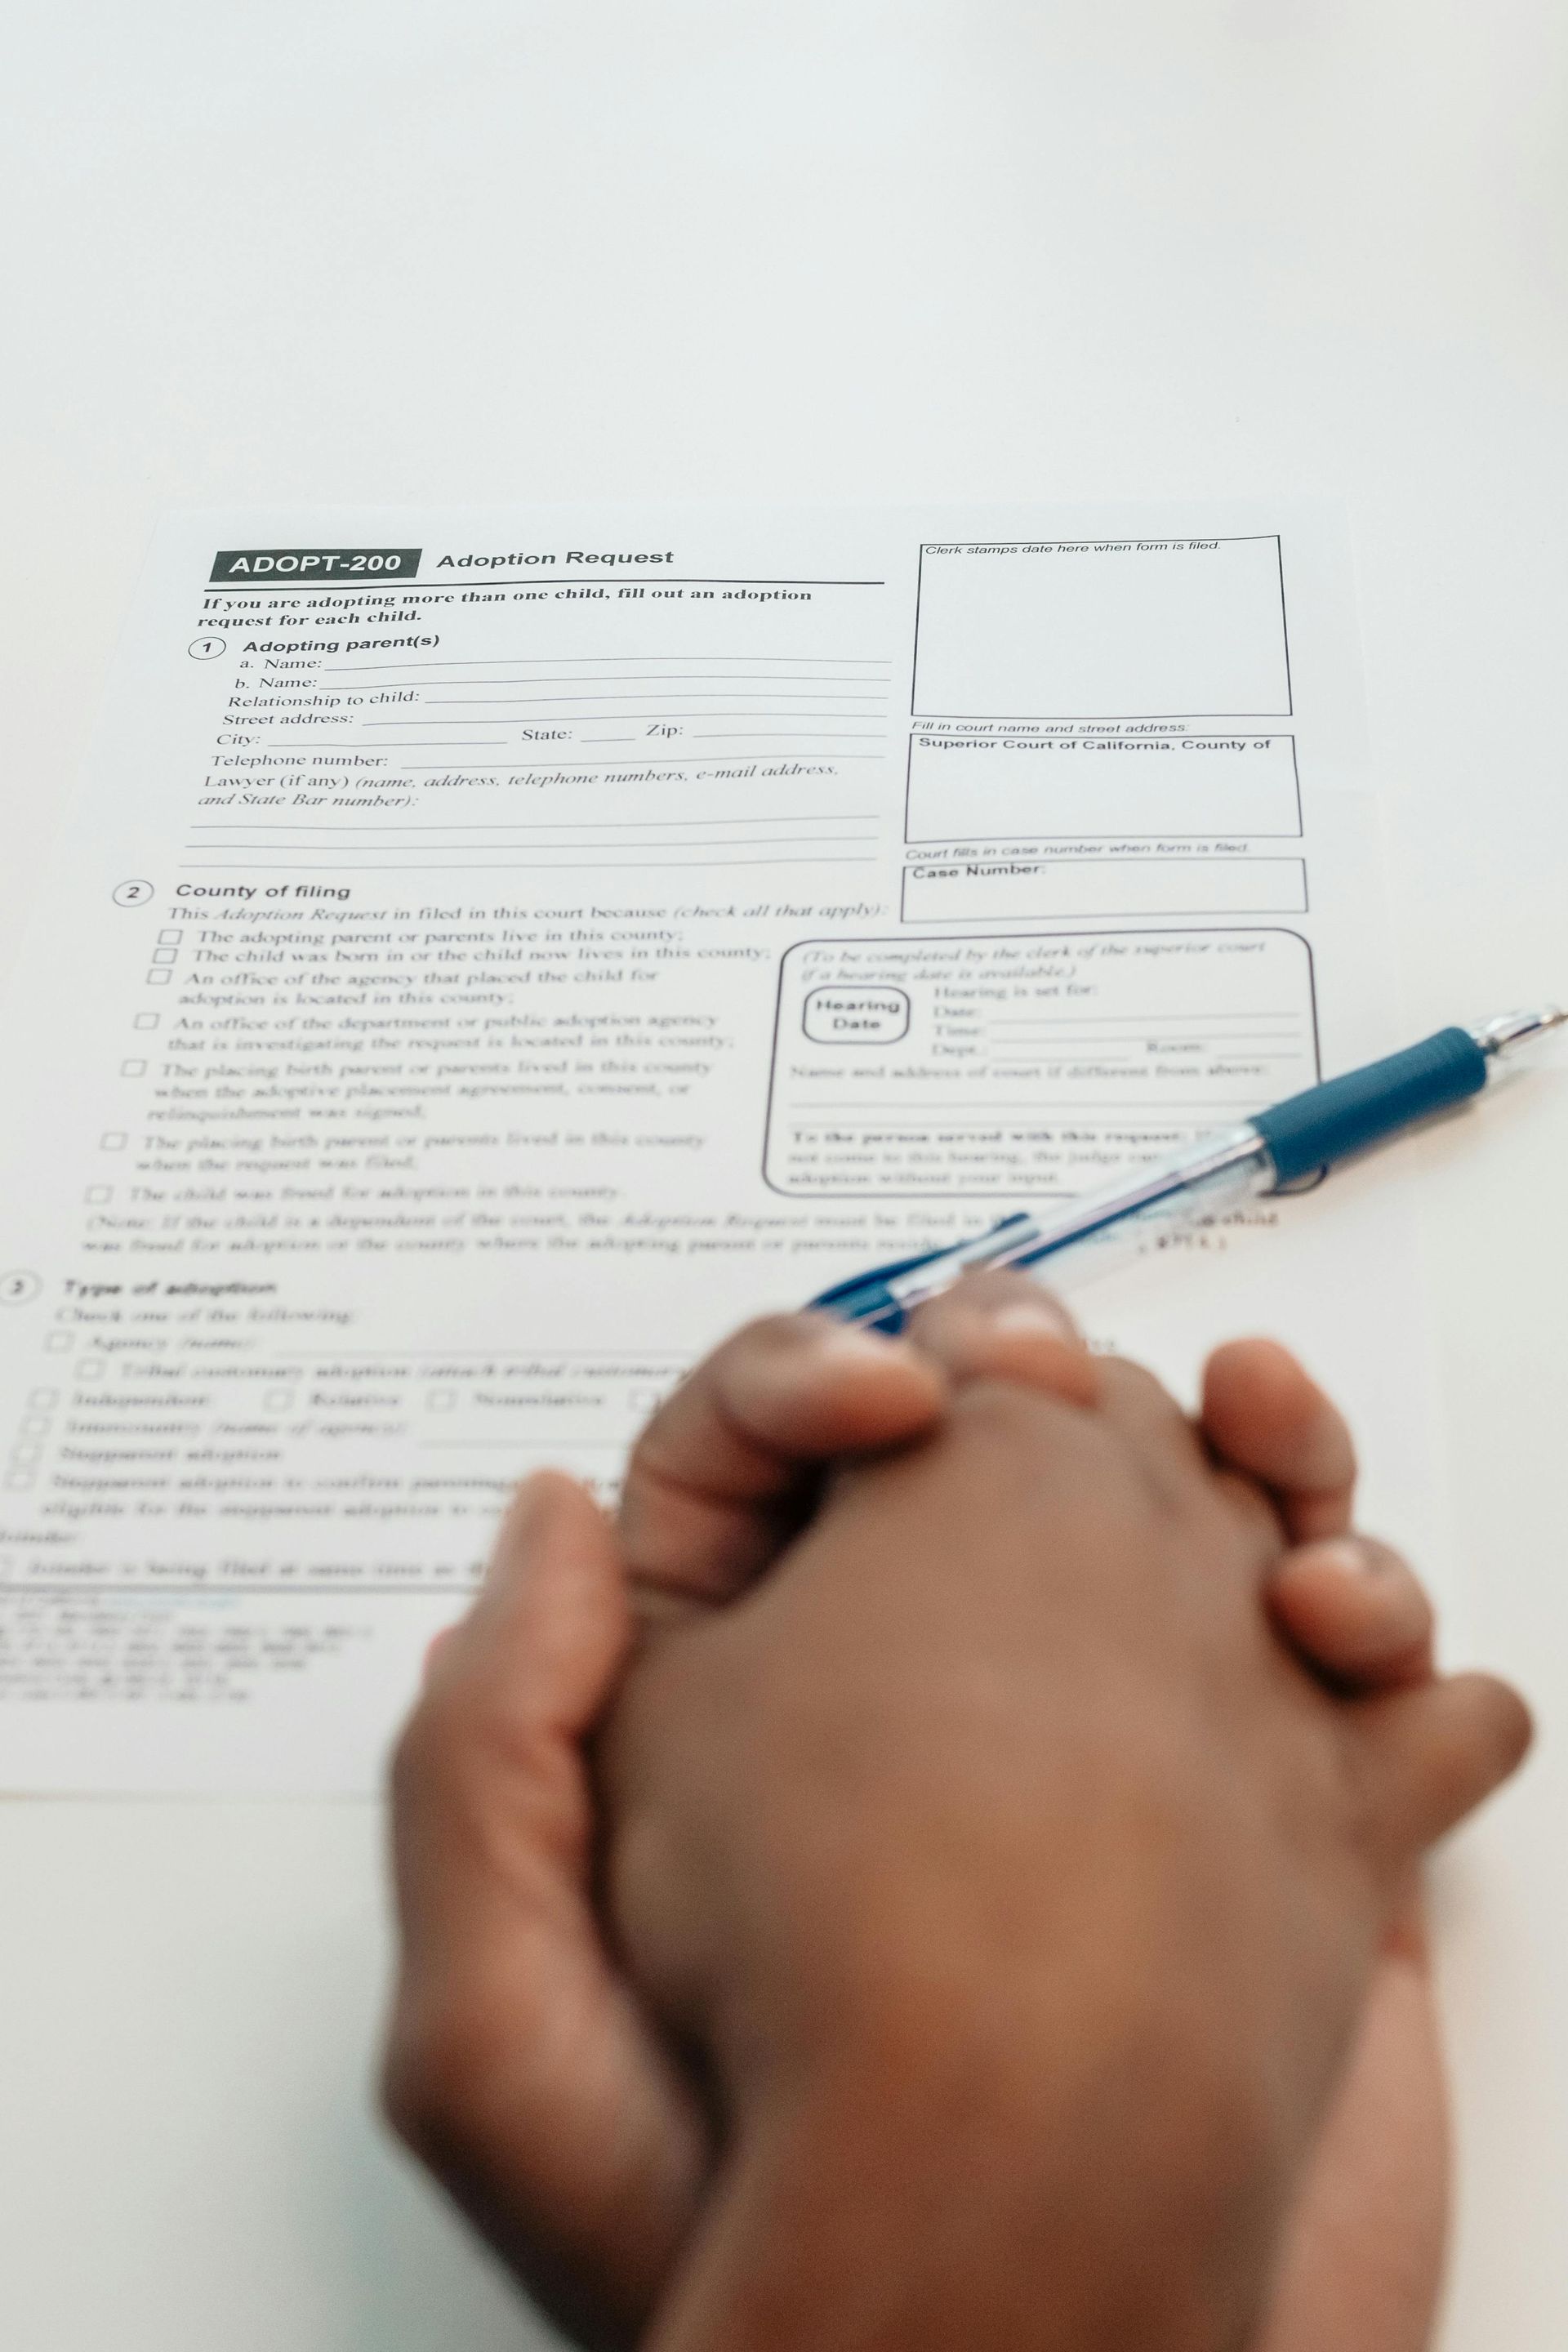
x,y
514,249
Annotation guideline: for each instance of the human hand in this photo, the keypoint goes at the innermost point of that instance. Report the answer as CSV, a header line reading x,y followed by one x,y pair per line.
x,y
531,2083
1021,1893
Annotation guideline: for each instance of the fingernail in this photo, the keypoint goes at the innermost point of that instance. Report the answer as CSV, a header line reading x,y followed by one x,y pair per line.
x,y
848,1344
1033,1318
1347,1553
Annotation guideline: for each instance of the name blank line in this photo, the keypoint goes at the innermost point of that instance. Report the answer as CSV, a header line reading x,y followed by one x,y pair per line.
x,y
736,680
522,661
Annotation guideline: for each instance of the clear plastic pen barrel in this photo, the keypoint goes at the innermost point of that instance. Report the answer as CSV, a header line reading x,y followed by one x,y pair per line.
x,y
1099,1229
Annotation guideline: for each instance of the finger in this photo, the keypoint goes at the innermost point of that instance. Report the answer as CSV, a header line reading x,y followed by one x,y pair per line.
x,y
518,2065
1355,1611
1263,1415
548,1629
436,1644
1428,1756
728,1467
1363,2255
1161,1437
1005,1327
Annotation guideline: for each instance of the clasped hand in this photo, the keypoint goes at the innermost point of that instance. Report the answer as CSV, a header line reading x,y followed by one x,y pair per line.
x,y
925,1877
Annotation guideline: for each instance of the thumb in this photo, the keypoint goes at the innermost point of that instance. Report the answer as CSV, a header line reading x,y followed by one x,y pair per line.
x,y
519,2066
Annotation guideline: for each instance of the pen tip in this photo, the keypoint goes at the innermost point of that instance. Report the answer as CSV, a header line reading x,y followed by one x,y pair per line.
x,y
1512,1029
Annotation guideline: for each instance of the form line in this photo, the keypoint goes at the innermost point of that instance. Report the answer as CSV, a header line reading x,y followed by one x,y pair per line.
x,y
732,694
494,864
496,661
644,678
1044,1110
522,824
526,766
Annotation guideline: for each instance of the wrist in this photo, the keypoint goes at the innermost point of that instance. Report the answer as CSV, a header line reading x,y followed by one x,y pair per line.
x,y
1073,2191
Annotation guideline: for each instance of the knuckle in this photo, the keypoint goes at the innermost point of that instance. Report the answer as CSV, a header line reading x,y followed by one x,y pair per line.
x,y
441,1723
403,2084
998,1412
1508,1726
645,1462
783,1330
467,1742
437,2077
1135,1384
1024,1440
768,1335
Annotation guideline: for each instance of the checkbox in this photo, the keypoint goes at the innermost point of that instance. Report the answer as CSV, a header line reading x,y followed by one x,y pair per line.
x,y
24,1457
33,1426
159,979
165,955
90,1368
39,1397
96,1195
441,1399
19,1481
279,1400
58,1342
644,1399
113,1139
132,1069
145,1021
168,939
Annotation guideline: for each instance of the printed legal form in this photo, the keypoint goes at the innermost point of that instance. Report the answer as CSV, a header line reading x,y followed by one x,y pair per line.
x,y
494,951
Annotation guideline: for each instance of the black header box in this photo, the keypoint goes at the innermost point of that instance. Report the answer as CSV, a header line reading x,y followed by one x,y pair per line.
x,y
314,567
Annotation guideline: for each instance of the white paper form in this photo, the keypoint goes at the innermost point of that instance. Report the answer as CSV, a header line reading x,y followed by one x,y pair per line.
x,y
496,951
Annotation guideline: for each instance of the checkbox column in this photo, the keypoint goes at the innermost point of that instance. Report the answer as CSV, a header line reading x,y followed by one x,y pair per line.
x,y
165,956
26,1446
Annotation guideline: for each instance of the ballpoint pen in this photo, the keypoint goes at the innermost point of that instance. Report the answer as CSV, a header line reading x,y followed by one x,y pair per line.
x,y
1301,1138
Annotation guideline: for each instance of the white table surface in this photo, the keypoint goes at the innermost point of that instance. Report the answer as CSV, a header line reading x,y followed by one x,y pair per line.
x,y
372,250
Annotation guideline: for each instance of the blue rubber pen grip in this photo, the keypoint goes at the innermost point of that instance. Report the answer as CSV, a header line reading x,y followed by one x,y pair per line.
x,y
1311,1131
